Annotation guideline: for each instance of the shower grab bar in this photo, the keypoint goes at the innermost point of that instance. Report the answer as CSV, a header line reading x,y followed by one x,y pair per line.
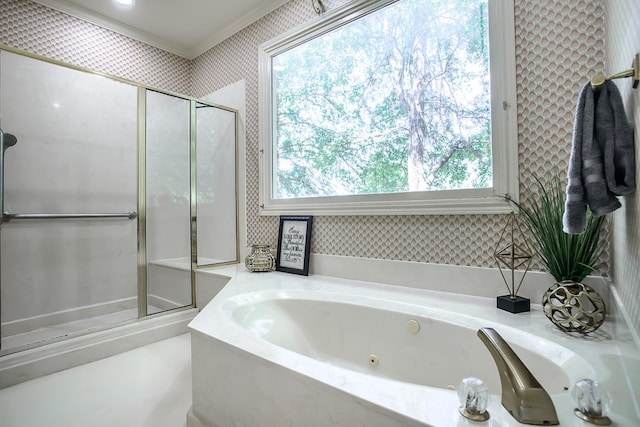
x,y
9,216
10,140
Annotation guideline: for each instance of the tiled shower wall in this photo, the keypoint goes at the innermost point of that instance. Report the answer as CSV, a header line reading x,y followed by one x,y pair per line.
x,y
559,45
623,42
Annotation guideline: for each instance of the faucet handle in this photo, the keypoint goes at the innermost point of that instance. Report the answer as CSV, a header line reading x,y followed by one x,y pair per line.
x,y
474,397
593,402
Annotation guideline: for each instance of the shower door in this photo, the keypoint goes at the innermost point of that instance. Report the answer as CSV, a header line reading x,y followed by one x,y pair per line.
x,y
168,202
75,154
216,187
110,191
191,195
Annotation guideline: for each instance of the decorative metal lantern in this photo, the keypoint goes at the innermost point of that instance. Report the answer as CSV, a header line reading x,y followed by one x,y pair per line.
x,y
512,253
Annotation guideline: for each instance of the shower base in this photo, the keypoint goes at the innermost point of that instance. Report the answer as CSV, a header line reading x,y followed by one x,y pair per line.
x,y
69,351
56,332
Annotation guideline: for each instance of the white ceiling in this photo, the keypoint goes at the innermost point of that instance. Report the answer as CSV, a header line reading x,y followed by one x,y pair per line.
x,y
185,27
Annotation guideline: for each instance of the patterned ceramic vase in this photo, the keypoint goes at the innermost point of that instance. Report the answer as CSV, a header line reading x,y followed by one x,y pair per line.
x,y
260,259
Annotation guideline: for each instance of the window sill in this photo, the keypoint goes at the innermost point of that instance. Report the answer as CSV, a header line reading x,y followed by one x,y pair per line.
x,y
462,206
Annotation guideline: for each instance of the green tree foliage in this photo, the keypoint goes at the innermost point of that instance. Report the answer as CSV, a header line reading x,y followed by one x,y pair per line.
x,y
396,101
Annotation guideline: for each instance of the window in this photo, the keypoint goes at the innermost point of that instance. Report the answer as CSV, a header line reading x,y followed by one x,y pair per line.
x,y
384,107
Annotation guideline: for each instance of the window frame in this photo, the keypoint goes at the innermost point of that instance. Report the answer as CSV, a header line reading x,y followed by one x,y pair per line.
x,y
466,201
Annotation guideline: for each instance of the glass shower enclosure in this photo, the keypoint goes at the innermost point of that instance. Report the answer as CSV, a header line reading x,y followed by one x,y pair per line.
x,y
113,194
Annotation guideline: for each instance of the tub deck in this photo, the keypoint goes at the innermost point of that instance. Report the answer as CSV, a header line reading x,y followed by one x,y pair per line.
x,y
243,379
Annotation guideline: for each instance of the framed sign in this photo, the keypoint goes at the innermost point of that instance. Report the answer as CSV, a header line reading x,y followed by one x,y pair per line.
x,y
294,242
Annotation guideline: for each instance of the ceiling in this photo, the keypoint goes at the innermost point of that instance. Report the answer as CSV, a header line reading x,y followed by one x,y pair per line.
x,y
187,27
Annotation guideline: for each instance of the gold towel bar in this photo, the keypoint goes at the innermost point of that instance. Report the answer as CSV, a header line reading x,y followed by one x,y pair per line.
x,y
599,79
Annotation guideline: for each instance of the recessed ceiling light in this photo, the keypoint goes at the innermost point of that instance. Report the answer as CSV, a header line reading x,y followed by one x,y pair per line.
x,y
125,2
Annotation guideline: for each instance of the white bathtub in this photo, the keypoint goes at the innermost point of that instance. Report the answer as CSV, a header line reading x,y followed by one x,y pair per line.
x,y
281,350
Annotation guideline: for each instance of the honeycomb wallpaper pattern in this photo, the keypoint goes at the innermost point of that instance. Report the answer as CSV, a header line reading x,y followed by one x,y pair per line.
x,y
623,41
44,31
559,45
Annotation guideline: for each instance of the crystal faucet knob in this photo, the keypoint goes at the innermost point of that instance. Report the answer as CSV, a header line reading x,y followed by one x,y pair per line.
x,y
593,402
473,395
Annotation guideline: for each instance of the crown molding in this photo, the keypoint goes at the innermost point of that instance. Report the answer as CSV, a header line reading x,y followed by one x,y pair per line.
x,y
215,37
113,25
232,28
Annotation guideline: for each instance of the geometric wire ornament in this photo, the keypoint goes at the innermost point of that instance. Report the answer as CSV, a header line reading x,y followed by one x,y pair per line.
x,y
512,252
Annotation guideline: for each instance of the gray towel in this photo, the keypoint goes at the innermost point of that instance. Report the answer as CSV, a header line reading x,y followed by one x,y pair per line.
x,y
602,162
616,141
575,209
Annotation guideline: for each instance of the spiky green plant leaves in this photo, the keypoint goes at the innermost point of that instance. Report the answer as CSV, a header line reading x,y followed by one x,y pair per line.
x,y
566,256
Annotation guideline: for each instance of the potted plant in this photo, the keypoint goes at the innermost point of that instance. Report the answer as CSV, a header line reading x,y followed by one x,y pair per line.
x,y
569,258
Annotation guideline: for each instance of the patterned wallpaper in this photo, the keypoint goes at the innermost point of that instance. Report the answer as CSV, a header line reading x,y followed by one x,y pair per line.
x,y
623,41
559,45
38,29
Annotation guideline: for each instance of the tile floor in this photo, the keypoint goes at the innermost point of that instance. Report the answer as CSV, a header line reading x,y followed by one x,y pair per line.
x,y
146,387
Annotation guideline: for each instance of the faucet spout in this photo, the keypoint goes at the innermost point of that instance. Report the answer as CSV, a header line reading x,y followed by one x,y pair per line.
x,y
522,395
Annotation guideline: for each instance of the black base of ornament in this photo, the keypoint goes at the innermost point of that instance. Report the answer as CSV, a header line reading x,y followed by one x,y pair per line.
x,y
513,305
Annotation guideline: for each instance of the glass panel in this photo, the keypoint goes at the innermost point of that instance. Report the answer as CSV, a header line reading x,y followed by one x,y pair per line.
x,y
396,101
216,189
76,153
168,202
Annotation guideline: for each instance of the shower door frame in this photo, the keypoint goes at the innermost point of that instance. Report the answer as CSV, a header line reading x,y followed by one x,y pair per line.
x,y
142,211
141,217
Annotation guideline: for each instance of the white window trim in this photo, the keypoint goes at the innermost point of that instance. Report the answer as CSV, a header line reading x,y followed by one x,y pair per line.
x,y
503,120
